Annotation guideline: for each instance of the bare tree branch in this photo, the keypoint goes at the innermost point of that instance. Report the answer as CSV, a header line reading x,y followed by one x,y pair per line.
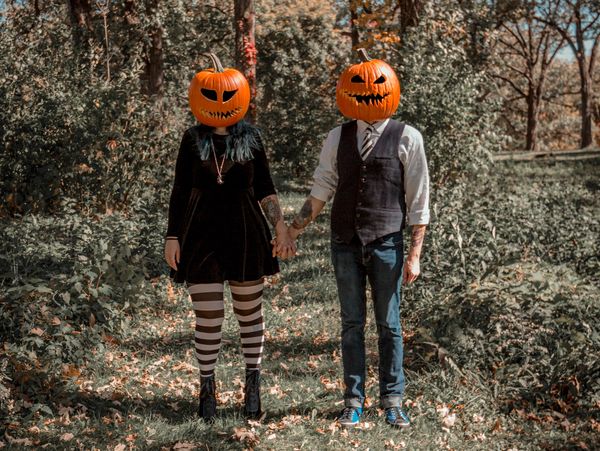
x,y
511,83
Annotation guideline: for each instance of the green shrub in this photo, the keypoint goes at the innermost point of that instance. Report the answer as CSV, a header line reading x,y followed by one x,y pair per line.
x,y
443,97
66,298
301,57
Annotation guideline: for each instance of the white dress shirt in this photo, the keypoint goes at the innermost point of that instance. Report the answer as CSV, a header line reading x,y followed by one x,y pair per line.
x,y
410,152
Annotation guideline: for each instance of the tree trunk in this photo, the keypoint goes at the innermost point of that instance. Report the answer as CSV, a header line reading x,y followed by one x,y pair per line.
x,y
153,76
245,48
409,14
354,24
81,20
587,138
533,108
585,76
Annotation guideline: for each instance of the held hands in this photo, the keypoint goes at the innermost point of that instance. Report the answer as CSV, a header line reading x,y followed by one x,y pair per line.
x,y
284,245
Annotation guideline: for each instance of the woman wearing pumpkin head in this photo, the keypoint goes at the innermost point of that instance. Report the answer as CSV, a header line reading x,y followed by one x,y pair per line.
x,y
216,230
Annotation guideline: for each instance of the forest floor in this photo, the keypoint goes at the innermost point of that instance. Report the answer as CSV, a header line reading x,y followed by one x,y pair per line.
x,y
517,244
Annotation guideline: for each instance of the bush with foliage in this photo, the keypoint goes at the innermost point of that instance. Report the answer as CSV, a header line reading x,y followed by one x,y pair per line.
x,y
511,285
300,59
443,97
65,299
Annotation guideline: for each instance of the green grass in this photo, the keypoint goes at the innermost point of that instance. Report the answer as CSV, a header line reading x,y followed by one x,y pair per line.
x,y
498,253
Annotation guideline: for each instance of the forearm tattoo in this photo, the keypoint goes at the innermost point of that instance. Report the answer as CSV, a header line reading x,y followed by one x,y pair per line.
x,y
416,241
302,219
271,209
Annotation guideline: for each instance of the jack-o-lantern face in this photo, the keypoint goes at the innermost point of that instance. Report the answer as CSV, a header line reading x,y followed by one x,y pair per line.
x,y
369,91
219,97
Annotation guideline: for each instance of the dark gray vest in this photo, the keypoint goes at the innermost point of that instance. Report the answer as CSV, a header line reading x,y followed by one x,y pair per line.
x,y
369,199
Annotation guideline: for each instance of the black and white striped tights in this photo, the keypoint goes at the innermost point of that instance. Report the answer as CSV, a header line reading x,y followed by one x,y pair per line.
x,y
207,299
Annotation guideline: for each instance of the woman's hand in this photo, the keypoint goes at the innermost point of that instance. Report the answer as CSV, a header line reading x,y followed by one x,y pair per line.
x,y
172,253
283,245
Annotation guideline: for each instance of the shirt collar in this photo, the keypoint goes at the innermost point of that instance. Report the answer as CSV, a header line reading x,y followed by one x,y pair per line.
x,y
378,125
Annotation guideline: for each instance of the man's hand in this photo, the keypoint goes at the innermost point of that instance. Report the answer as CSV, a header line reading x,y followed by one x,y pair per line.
x,y
293,232
411,270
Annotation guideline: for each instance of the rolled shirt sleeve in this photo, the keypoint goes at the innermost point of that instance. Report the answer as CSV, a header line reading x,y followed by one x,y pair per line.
x,y
326,175
416,176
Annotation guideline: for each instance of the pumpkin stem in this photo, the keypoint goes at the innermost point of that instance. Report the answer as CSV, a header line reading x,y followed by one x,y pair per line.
x,y
216,61
363,55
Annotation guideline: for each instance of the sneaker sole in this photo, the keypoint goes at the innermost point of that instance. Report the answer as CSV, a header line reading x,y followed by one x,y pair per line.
x,y
349,425
398,426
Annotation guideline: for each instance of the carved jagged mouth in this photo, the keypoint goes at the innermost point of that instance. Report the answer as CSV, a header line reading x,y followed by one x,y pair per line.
x,y
368,98
222,115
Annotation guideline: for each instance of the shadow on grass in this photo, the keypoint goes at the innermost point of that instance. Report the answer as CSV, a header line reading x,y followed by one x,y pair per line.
x,y
173,344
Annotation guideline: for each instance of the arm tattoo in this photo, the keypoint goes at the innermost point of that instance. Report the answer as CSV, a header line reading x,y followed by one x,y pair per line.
x,y
270,207
303,218
417,237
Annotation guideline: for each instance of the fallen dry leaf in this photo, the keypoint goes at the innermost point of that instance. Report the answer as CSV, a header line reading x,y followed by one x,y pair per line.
x,y
70,371
449,420
67,437
245,436
497,425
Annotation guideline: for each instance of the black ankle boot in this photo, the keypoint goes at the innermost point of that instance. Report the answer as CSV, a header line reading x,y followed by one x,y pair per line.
x,y
208,403
252,407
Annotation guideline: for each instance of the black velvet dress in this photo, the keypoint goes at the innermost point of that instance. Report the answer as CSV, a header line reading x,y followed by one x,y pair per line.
x,y
221,229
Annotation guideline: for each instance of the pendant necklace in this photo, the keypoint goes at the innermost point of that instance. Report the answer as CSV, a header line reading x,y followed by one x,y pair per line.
x,y
219,169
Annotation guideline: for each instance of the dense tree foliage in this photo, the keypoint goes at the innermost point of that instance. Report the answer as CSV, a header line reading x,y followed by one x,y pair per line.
x,y
93,107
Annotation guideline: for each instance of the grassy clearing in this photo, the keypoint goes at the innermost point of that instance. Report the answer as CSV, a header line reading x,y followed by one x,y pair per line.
x,y
502,345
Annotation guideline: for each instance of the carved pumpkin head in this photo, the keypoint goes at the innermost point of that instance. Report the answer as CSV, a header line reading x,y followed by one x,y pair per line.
x,y
369,91
219,97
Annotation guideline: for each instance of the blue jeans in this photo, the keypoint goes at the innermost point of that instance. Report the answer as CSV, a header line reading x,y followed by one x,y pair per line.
x,y
381,263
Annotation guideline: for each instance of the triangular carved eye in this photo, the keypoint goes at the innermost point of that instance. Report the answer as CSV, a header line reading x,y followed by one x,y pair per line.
x,y
227,95
380,80
210,94
357,79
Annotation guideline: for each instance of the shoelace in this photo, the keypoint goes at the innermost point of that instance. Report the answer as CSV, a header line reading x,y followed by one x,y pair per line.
x,y
393,413
347,413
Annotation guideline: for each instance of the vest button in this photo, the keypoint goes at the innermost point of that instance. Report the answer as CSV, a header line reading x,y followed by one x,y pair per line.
x,y
364,179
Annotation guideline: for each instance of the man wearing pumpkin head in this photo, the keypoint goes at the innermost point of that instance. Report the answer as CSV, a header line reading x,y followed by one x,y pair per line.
x,y
377,169
216,231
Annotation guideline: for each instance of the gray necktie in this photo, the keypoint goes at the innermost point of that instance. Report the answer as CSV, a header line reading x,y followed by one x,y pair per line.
x,y
367,144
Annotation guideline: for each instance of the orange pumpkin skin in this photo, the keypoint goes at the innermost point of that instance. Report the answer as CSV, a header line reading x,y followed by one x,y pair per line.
x,y
219,97
369,91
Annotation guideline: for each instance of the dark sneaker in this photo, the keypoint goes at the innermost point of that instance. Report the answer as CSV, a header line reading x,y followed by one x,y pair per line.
x,y
208,403
396,417
252,406
350,416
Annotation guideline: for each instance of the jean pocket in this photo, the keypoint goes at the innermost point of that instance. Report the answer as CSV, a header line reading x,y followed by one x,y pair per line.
x,y
392,240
